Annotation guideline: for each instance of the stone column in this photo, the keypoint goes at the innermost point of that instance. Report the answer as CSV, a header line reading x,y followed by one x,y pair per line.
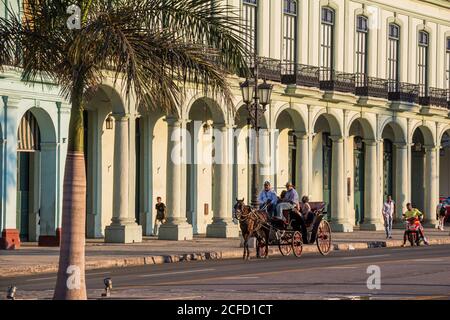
x,y
10,234
123,228
265,156
222,225
339,222
302,165
431,191
402,182
371,215
176,227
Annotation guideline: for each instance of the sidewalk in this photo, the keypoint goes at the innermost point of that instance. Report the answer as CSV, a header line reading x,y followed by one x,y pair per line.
x,y
31,259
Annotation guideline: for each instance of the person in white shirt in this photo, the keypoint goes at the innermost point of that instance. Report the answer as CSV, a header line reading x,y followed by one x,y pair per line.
x,y
388,215
441,211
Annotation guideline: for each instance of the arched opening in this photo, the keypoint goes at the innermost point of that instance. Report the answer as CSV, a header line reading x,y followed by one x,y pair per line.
x,y
36,178
28,162
395,167
151,167
358,137
364,173
243,136
322,154
99,140
444,170
241,152
418,170
205,117
285,152
359,178
388,168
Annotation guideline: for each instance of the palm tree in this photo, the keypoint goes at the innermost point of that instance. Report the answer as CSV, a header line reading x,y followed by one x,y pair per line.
x,y
151,47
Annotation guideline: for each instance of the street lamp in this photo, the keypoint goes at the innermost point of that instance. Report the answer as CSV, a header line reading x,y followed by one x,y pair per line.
x,y
256,97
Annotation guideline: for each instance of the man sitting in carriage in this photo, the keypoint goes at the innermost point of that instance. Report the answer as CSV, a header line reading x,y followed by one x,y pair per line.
x,y
288,202
268,199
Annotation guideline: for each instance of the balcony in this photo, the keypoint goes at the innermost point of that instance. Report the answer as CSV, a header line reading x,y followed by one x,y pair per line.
x,y
370,87
403,92
300,74
331,80
307,76
437,97
288,70
289,73
269,69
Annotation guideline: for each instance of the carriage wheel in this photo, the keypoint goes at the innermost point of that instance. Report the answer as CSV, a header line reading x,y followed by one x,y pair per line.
x,y
323,238
284,245
262,248
297,244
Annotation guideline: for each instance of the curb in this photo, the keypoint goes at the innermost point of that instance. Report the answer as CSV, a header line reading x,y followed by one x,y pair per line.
x,y
199,256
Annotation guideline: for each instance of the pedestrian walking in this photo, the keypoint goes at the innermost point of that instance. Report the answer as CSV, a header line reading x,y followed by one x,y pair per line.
x,y
441,211
160,215
388,215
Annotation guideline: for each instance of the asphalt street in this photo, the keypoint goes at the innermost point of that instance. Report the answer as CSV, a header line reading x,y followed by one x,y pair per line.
x,y
405,273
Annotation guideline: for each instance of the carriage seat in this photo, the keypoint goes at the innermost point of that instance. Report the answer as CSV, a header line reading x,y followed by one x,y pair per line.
x,y
317,206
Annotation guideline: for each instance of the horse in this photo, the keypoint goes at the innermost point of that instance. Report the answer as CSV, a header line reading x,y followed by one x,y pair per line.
x,y
253,223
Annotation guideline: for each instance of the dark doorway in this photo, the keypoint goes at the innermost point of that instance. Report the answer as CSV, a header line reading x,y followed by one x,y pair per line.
x,y
23,194
359,154
417,171
327,144
387,169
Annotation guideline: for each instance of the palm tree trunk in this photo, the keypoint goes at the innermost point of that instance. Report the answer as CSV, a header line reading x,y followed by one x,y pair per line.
x,y
70,283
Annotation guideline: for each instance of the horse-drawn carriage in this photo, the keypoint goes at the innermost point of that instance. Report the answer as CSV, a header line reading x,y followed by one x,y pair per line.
x,y
289,234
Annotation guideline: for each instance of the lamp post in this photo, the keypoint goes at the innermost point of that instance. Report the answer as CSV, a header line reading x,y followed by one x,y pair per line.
x,y
256,97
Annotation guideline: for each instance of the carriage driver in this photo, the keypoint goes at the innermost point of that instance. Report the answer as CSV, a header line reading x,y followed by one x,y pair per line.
x,y
289,202
268,196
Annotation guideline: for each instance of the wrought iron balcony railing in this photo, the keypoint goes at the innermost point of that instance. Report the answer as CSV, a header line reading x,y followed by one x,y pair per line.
x,y
359,84
269,69
401,91
436,97
369,86
308,76
300,74
331,80
288,73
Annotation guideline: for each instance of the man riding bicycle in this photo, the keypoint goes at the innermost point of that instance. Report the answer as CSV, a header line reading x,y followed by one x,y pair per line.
x,y
413,215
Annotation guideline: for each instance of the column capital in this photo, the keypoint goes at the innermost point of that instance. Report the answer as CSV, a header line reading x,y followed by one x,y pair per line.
x,y
223,126
429,148
302,135
120,116
402,145
337,139
11,101
173,121
371,142
63,106
264,132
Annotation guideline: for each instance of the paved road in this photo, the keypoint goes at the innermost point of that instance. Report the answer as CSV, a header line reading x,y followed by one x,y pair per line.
x,y
406,273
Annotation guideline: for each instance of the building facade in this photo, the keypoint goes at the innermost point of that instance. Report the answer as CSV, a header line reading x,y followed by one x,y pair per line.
x,y
359,111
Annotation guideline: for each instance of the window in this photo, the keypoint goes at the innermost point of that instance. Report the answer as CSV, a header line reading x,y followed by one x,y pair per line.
x,y
422,63
447,59
362,31
327,32
290,35
393,55
250,9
